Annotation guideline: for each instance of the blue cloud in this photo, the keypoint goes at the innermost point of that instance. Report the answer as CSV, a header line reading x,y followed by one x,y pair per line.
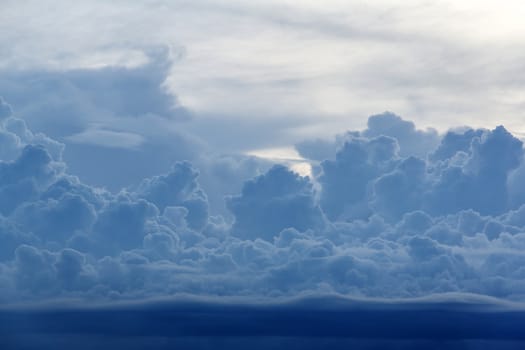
x,y
477,178
5,109
399,192
21,179
272,202
178,188
372,222
345,180
300,323
412,142
68,97
120,124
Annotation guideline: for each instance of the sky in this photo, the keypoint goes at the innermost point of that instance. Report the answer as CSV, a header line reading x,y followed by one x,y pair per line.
x,y
322,67
266,160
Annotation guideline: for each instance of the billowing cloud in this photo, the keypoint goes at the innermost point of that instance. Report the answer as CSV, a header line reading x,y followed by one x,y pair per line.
x,y
345,180
119,122
272,202
141,174
371,221
178,188
412,142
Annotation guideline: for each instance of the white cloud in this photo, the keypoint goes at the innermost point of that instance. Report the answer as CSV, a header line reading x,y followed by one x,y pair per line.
x,y
441,64
107,138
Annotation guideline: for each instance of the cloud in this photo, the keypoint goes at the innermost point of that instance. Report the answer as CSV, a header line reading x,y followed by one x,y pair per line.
x,y
21,179
272,202
412,142
118,185
316,149
398,192
55,219
114,119
370,222
119,124
298,323
179,188
73,98
224,175
122,225
338,57
5,109
107,138
477,179
344,180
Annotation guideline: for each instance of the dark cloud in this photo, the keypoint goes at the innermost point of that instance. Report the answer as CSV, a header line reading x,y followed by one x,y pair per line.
x,y
307,323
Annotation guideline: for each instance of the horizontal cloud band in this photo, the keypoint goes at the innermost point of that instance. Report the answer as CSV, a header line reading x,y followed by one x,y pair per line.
x,y
427,321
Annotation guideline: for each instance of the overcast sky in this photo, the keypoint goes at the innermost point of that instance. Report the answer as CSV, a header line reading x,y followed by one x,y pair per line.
x,y
306,68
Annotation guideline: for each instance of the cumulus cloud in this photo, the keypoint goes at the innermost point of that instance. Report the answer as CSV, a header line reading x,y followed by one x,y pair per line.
x,y
178,188
412,142
372,222
345,180
120,123
272,202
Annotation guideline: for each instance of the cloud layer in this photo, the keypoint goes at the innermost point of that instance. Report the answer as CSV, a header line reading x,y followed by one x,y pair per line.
x,y
442,64
296,323
395,212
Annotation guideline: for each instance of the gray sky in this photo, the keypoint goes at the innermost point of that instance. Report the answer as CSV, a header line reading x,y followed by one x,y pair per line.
x,y
305,68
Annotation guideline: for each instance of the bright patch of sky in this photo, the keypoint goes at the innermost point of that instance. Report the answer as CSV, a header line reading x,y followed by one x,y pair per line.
x,y
323,66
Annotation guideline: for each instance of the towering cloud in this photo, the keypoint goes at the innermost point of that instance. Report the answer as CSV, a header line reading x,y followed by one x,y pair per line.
x,y
476,177
272,202
376,220
120,122
412,142
178,188
345,180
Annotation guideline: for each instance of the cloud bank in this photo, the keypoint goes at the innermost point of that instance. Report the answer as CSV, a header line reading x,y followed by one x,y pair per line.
x,y
297,323
119,125
396,212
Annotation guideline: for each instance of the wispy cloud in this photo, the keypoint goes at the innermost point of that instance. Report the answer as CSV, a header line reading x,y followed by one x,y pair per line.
x,y
107,138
